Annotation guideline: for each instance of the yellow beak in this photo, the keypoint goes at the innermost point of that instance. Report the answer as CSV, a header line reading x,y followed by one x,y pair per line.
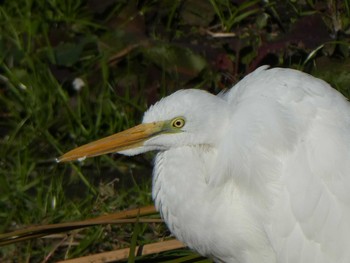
x,y
128,139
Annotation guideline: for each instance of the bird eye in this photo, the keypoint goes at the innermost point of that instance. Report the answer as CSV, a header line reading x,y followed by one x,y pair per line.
x,y
178,123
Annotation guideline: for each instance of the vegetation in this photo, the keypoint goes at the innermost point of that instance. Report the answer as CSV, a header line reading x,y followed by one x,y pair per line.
x,y
75,71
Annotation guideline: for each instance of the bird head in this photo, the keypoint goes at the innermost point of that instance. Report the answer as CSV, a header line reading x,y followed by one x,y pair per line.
x,y
187,117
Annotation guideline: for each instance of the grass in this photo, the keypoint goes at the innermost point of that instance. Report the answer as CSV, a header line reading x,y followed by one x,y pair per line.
x,y
127,54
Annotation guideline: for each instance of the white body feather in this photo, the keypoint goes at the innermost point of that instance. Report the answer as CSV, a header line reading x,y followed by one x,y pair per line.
x,y
267,176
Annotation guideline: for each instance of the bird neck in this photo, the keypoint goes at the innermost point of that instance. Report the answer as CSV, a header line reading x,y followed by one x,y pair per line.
x,y
180,190
200,215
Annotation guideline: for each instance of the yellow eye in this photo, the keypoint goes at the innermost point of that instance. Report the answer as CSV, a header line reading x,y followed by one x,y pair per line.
x,y
178,123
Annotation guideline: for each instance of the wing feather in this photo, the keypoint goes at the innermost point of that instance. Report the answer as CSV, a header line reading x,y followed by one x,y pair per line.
x,y
288,144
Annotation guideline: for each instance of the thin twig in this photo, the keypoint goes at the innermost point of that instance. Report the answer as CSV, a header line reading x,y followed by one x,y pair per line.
x,y
123,254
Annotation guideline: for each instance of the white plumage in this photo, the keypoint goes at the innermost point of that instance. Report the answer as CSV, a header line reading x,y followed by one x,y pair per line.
x,y
259,174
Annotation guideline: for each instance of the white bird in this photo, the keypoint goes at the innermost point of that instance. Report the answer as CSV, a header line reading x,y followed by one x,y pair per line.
x,y
259,174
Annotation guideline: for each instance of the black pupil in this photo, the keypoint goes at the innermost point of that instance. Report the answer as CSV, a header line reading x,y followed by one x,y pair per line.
x,y
178,123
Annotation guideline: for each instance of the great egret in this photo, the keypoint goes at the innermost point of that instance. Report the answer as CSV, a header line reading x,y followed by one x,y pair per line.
x,y
258,174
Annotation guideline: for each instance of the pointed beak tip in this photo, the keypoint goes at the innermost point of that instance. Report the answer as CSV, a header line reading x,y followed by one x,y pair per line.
x,y
64,159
